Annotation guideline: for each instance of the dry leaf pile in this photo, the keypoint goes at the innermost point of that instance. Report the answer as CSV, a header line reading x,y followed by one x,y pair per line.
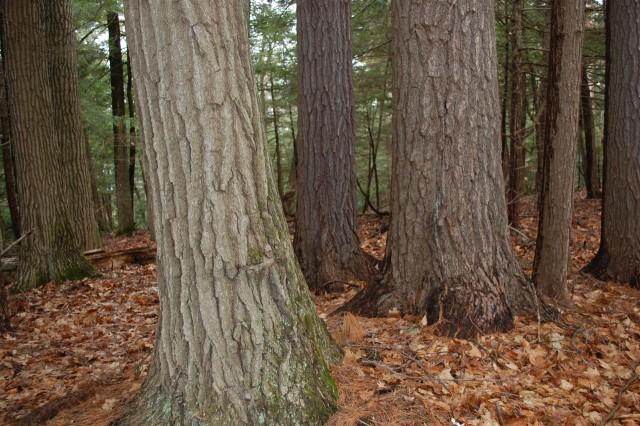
x,y
83,348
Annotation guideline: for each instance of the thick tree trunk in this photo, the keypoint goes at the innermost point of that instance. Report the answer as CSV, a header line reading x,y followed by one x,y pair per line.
x,y
326,242
619,256
448,250
121,154
51,252
517,117
560,142
8,160
76,160
591,179
239,341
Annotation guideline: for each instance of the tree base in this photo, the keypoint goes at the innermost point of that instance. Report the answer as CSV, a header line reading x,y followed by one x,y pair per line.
x,y
600,269
462,307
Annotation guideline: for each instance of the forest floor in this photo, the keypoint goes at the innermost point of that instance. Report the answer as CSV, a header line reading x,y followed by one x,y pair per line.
x,y
81,349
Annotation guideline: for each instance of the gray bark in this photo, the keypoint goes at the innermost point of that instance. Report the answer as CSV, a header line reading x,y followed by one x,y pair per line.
x,y
239,341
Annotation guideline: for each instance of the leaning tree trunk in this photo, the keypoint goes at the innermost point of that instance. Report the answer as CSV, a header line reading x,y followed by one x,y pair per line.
x,y
73,146
51,252
449,253
619,256
326,241
239,341
517,117
124,196
132,128
591,179
561,137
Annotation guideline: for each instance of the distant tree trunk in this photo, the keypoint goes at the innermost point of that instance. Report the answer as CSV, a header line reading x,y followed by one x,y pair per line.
x,y
132,128
591,179
517,117
239,341
449,254
8,160
560,142
325,240
51,252
540,123
276,130
124,196
619,256
73,145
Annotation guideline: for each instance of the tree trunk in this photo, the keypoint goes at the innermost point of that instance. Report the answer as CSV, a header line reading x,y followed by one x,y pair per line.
x,y
132,128
276,130
239,341
517,117
8,160
619,256
540,123
448,252
51,252
124,195
505,96
560,142
76,160
326,242
591,179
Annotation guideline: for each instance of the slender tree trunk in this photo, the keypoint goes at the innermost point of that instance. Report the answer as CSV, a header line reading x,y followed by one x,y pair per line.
x,y
619,256
121,149
516,117
51,252
8,160
542,100
560,142
73,145
591,179
5,313
276,130
132,128
326,242
448,250
239,341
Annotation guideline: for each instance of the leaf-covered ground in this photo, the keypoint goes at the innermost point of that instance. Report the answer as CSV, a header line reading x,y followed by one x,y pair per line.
x,y
81,349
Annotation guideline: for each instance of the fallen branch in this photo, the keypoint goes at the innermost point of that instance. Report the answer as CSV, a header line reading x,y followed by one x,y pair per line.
x,y
612,414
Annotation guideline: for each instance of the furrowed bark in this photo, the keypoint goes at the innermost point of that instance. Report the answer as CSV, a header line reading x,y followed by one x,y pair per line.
x,y
239,341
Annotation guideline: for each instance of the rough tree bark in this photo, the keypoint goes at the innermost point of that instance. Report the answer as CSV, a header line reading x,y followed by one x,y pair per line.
x,y
504,136
591,175
517,117
326,242
448,250
619,256
72,141
562,115
124,196
8,160
239,341
51,252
